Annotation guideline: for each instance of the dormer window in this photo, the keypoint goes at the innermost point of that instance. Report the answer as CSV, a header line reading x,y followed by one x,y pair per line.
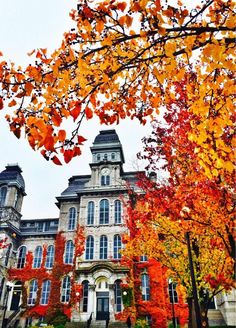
x,y
3,194
105,157
113,156
98,157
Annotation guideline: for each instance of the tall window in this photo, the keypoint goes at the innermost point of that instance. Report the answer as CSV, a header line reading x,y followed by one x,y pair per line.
x,y
37,257
69,252
118,296
105,180
117,247
143,258
104,212
65,291
72,219
49,257
85,284
21,257
8,254
117,211
90,216
145,287
172,293
89,249
33,288
46,287
103,248
3,194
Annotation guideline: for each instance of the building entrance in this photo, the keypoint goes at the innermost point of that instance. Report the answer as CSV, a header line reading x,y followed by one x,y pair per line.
x,y
102,306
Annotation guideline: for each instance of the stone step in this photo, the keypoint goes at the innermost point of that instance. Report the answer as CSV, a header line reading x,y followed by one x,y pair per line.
x,y
96,324
215,318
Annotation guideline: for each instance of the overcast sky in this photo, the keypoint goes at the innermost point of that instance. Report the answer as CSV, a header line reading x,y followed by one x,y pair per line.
x,y
24,26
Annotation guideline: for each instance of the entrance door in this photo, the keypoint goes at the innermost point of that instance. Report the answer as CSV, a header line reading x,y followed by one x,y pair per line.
x,y
16,296
102,308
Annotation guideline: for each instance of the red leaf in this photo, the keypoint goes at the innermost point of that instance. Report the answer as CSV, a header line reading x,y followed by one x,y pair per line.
x,y
76,110
61,135
1,103
121,6
88,113
81,139
56,160
68,155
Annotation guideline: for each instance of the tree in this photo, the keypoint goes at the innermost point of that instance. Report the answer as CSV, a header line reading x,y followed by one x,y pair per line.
x,y
188,201
121,60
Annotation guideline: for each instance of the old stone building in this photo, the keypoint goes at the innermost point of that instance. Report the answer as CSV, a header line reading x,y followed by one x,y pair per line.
x,y
94,202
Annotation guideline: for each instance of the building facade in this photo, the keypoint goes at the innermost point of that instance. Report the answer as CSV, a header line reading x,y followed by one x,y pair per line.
x,y
72,263
94,202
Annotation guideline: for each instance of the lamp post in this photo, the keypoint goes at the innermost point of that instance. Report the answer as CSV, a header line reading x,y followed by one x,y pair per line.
x,y
172,301
192,274
8,289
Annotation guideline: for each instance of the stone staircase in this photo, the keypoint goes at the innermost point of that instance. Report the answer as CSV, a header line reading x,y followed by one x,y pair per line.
x,y
215,318
96,324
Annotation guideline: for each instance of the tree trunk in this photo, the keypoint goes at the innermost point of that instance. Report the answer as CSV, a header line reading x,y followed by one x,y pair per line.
x,y
191,313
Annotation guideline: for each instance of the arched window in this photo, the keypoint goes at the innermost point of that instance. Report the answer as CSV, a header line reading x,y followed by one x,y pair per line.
x,y
90,216
33,288
8,254
89,249
37,257
3,194
21,257
105,180
50,257
69,252
103,248
105,157
118,296
117,247
46,287
72,219
117,211
145,287
98,157
85,285
65,291
104,212
172,293
113,156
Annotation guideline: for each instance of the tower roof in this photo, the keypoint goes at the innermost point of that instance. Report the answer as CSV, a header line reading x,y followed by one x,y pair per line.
x,y
108,140
107,137
12,175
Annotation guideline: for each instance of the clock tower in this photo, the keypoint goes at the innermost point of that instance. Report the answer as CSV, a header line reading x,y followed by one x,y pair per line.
x,y
107,159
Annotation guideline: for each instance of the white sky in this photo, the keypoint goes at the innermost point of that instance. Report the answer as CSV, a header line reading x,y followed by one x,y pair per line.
x,y
24,26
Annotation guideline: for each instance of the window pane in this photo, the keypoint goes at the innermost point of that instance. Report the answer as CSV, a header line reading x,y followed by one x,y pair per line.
x,y
49,257
72,219
89,248
65,293
145,287
90,216
85,295
103,248
21,257
33,288
69,252
37,257
104,212
3,194
117,247
118,296
117,211
45,292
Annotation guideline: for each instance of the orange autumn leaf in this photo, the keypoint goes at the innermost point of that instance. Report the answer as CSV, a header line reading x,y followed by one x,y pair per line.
x,y
12,103
68,155
75,111
61,135
28,88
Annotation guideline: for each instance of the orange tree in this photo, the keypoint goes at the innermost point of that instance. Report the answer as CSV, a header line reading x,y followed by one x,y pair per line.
x,y
121,60
188,201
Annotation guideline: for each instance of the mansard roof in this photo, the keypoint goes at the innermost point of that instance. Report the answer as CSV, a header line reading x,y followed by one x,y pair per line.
x,y
106,137
12,175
